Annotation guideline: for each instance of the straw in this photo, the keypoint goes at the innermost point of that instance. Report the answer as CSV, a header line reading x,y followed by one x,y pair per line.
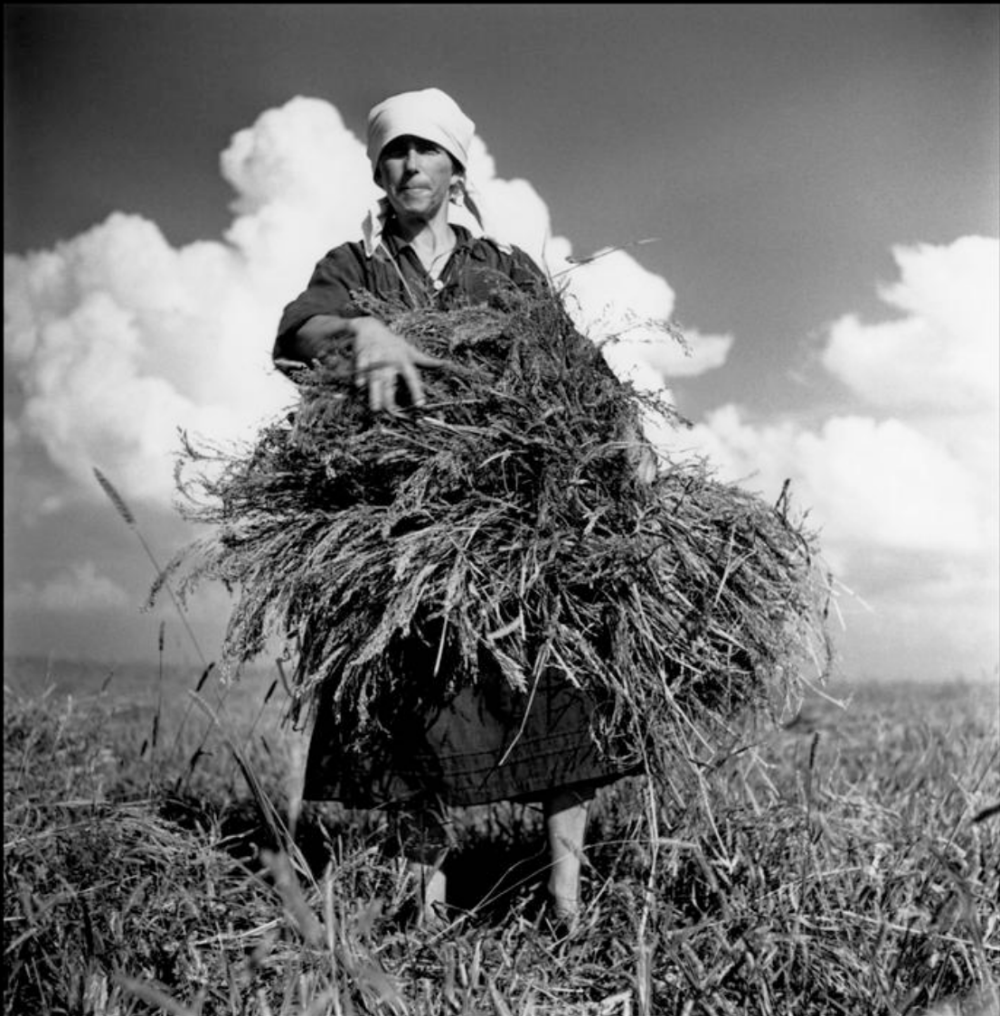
x,y
502,529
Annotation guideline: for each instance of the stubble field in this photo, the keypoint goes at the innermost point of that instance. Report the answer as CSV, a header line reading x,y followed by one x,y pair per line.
x,y
157,859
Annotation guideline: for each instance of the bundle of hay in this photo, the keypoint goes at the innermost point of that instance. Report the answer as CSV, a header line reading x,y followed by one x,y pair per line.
x,y
503,525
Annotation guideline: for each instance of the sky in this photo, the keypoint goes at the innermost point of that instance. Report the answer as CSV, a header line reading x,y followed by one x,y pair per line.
x,y
810,192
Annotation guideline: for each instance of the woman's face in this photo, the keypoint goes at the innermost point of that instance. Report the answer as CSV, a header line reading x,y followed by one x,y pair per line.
x,y
416,176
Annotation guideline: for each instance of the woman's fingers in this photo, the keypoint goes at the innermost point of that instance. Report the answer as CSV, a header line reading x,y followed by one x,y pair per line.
x,y
411,377
382,358
426,360
383,383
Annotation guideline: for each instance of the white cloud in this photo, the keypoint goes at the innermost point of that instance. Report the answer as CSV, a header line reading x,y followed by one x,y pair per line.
x,y
78,589
512,210
612,293
944,352
930,618
651,357
866,482
109,371
117,338
908,485
926,475
302,183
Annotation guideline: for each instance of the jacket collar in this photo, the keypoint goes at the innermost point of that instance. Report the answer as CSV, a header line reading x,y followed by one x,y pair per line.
x,y
373,226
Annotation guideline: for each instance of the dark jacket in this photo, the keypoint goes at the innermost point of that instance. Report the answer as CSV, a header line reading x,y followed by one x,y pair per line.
x,y
394,273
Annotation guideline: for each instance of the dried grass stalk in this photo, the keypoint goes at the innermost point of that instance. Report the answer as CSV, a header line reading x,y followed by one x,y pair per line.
x,y
503,525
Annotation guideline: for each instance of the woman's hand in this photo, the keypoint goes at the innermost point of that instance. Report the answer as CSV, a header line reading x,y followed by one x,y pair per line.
x,y
381,359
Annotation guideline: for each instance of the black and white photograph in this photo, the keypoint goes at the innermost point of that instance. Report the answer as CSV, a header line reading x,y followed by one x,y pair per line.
x,y
502,509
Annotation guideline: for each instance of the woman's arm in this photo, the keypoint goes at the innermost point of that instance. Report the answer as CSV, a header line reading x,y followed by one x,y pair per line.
x,y
317,339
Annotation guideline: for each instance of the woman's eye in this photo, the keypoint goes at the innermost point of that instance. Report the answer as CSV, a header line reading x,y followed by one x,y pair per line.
x,y
400,150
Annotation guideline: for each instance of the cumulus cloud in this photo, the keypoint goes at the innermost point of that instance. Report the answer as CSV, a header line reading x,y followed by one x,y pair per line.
x,y
867,482
943,353
651,356
904,490
78,589
116,341
303,184
916,469
116,338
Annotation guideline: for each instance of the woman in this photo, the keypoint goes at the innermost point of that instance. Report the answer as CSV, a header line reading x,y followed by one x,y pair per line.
x,y
478,746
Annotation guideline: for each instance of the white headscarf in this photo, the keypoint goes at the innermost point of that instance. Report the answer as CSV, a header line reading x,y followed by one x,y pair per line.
x,y
430,114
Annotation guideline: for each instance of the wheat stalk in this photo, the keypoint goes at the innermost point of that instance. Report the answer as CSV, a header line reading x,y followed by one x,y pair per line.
x,y
504,521
125,512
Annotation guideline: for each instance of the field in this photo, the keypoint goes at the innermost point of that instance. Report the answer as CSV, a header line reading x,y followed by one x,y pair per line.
x,y
157,859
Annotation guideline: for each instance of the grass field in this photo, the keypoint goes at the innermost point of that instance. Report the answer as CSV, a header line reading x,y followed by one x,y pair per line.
x,y
157,860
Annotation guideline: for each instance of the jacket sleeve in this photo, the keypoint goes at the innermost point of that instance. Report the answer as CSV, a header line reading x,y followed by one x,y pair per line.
x,y
329,289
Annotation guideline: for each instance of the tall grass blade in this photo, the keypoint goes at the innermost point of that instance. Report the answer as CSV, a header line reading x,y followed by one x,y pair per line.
x,y
293,898
125,512
205,674
268,812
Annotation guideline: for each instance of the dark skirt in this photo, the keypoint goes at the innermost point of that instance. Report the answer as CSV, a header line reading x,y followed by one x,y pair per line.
x,y
484,743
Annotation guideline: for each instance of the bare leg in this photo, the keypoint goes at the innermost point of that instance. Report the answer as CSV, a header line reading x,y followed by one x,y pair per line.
x,y
431,887
425,838
566,823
